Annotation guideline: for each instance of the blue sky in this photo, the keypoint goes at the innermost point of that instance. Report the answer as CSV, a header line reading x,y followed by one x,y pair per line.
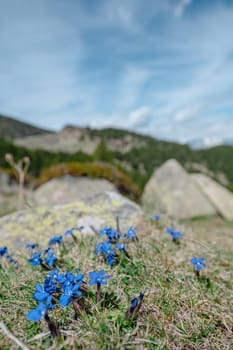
x,y
163,68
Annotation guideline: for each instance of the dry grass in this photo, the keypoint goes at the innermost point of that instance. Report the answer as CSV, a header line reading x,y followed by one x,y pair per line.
x,y
179,311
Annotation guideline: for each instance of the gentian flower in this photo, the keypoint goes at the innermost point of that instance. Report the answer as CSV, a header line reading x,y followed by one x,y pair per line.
x,y
35,260
37,313
55,240
104,230
11,259
70,292
110,259
98,277
51,258
32,245
170,230
105,248
175,234
121,246
135,304
111,233
61,278
199,263
40,311
50,285
53,274
69,232
155,217
131,233
40,293
3,251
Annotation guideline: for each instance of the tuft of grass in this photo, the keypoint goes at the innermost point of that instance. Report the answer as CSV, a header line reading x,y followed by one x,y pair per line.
x,y
179,310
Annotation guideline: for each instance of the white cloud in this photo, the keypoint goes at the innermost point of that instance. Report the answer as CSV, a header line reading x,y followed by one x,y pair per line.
x,y
140,118
179,8
105,64
190,112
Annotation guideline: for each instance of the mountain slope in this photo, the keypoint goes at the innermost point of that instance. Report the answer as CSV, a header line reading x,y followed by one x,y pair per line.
x,y
136,154
11,128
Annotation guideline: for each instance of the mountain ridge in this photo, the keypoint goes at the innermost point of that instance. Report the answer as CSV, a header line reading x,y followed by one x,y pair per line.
x,y
138,155
12,128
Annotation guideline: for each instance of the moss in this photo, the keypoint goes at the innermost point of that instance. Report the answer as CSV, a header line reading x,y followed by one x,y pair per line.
x,y
95,170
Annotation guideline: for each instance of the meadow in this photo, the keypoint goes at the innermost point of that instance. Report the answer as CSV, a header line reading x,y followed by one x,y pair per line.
x,y
179,308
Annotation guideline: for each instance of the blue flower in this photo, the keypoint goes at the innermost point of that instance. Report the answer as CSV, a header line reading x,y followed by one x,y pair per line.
x,y
35,259
104,230
131,233
61,278
175,234
51,258
199,263
53,274
69,232
79,277
3,251
155,217
98,277
55,240
70,292
170,230
105,248
121,246
135,302
98,248
39,312
110,260
32,245
40,293
11,259
111,233
50,285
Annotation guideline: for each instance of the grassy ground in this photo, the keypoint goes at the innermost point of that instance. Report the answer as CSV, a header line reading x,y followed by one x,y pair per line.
x,y
179,311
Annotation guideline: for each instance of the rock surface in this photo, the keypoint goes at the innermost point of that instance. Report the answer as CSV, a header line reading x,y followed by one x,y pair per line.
x,y
41,223
219,196
172,190
70,189
8,194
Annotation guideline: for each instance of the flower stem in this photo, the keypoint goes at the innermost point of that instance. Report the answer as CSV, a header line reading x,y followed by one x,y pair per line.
x,y
54,330
74,238
77,307
98,293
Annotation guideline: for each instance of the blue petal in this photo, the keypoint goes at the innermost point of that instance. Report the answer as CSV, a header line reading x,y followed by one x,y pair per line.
x,y
37,313
64,300
194,260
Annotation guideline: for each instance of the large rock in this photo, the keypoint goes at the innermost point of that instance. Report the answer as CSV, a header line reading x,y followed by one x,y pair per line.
x,y
68,189
172,190
7,185
8,194
219,196
39,224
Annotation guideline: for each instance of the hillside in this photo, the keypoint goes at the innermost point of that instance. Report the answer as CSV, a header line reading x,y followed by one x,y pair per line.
x,y
138,155
12,128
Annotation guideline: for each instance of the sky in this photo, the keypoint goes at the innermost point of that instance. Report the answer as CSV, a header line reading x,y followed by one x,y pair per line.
x,y
158,67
